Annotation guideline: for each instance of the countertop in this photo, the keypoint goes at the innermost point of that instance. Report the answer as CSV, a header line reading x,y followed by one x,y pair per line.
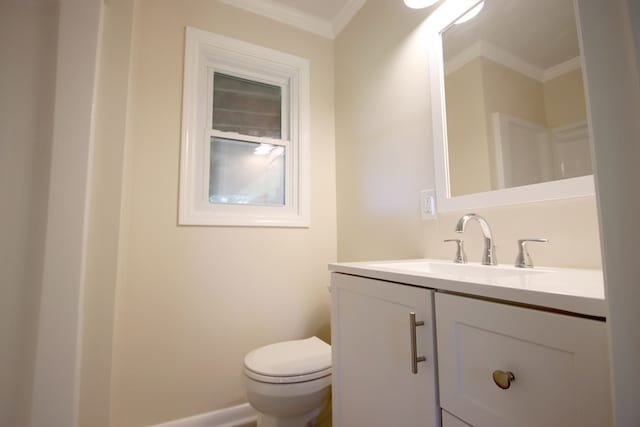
x,y
574,291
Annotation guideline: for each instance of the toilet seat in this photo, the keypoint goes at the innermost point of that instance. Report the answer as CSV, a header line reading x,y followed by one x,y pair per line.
x,y
289,362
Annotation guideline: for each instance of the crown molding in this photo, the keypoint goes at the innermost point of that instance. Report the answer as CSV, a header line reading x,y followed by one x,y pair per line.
x,y
346,15
298,19
501,56
562,68
495,54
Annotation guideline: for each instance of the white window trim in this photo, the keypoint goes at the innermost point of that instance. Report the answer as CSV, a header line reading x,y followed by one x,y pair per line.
x,y
205,52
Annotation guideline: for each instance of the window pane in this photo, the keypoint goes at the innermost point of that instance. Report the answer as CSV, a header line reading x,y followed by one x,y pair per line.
x,y
246,172
246,106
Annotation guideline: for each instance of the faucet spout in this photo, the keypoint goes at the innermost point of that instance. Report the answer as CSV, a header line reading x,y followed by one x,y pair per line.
x,y
489,252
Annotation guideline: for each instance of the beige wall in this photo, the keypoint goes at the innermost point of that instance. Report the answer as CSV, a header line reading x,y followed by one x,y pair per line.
x,y
511,92
376,176
467,131
28,34
474,92
382,122
564,99
192,301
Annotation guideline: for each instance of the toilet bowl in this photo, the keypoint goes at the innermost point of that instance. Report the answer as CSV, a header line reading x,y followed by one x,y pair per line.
x,y
288,382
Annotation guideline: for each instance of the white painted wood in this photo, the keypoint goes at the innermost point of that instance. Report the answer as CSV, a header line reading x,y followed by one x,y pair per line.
x,y
560,189
372,381
56,383
299,16
612,76
566,289
346,14
286,15
449,420
235,416
492,52
560,365
205,53
562,68
516,135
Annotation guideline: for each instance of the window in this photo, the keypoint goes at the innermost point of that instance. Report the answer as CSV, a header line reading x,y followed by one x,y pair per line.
x,y
244,157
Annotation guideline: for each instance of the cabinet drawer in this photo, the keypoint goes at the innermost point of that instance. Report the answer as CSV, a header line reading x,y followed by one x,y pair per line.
x,y
559,364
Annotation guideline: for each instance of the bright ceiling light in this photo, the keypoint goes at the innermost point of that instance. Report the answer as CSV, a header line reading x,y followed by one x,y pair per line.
x,y
471,14
263,149
419,4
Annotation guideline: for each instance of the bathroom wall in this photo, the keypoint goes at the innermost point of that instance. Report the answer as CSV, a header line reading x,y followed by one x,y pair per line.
x,y
468,147
564,99
494,88
190,302
384,157
28,35
382,123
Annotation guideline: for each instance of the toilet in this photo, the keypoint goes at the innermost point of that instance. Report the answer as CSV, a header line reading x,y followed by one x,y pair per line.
x,y
288,382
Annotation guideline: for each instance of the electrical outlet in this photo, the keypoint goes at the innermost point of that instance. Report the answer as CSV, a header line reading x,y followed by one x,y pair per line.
x,y
428,204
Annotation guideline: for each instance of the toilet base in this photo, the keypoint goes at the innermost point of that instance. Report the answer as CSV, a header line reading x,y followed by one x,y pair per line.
x,y
305,420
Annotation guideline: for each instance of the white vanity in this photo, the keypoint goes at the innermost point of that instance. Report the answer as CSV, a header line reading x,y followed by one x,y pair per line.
x,y
493,346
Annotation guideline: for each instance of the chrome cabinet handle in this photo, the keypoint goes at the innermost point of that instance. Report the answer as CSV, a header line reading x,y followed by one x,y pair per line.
x,y
414,350
503,379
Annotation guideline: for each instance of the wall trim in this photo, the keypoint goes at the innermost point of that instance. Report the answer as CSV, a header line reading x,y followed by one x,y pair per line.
x,y
346,15
494,53
285,15
234,416
299,19
562,68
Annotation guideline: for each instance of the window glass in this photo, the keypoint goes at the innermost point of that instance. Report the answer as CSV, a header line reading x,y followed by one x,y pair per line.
x,y
244,172
246,107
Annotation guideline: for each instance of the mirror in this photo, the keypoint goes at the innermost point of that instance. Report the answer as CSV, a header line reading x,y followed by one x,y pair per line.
x,y
510,116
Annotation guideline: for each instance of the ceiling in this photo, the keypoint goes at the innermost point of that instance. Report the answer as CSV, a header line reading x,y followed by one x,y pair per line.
x,y
542,33
323,17
539,34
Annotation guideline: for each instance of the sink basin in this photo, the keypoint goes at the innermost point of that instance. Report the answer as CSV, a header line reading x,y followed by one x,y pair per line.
x,y
467,271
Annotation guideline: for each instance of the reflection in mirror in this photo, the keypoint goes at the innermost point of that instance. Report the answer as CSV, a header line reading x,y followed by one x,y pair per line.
x,y
515,104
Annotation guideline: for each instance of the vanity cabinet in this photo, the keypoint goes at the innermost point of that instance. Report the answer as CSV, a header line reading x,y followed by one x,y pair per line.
x,y
373,383
559,366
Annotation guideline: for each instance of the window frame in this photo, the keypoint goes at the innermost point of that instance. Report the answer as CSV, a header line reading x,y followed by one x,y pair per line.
x,y
205,54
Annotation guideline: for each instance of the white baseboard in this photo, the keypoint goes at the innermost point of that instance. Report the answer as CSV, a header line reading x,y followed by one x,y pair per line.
x,y
235,416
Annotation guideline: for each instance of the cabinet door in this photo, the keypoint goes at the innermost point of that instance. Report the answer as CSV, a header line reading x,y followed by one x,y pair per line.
x,y
449,420
373,384
558,362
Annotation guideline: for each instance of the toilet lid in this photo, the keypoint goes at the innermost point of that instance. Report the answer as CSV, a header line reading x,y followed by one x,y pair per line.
x,y
290,358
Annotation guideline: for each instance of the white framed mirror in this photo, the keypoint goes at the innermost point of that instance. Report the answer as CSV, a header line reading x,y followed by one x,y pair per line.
x,y
510,121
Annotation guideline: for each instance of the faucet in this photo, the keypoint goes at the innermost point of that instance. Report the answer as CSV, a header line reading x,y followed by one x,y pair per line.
x,y
489,252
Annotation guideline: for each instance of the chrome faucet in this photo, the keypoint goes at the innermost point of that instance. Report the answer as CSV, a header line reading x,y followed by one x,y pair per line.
x,y
489,252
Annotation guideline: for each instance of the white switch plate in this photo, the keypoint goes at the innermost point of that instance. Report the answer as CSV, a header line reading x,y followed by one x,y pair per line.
x,y
428,204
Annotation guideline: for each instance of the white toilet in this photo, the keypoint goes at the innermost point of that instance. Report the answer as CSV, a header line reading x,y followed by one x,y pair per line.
x,y
288,382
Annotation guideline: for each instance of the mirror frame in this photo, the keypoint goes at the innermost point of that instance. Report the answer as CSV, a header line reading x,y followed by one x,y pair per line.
x,y
441,19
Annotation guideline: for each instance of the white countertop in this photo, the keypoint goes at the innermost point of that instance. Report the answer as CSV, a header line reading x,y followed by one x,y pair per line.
x,y
571,290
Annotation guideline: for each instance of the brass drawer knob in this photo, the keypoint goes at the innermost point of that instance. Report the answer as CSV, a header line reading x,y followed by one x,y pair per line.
x,y
503,379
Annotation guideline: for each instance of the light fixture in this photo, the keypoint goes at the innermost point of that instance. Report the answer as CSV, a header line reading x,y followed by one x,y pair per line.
x,y
471,13
419,4
263,149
